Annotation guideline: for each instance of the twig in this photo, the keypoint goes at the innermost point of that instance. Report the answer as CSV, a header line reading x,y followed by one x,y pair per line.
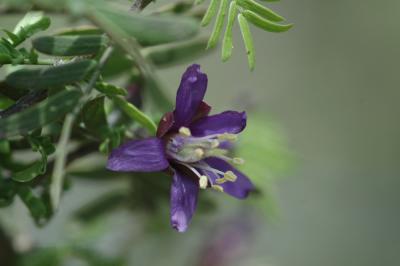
x,y
61,154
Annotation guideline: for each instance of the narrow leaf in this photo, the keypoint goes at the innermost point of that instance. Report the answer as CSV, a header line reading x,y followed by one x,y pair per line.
x,y
93,117
30,172
248,40
210,13
265,23
32,23
227,43
35,205
70,45
134,113
46,77
177,52
110,90
219,23
147,30
260,9
39,115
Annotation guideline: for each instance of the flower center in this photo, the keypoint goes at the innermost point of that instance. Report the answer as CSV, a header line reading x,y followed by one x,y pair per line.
x,y
189,151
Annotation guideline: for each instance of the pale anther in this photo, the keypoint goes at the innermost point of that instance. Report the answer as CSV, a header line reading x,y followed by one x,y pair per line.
x,y
199,152
237,160
220,180
230,176
185,131
203,182
218,188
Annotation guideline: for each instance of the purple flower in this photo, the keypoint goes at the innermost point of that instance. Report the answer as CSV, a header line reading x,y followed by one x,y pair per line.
x,y
192,146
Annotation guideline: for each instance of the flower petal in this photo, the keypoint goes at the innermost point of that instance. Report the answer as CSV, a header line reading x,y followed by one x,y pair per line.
x,y
202,111
166,123
189,96
138,156
240,188
184,193
226,122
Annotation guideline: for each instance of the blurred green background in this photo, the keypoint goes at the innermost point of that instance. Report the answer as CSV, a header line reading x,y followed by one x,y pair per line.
x,y
331,84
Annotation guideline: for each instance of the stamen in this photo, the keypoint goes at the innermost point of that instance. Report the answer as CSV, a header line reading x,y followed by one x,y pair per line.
x,y
214,143
238,160
230,176
185,131
203,182
218,188
228,137
199,153
191,169
221,180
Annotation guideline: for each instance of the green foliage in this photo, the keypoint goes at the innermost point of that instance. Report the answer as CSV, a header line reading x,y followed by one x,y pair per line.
x,y
70,45
249,11
84,90
47,77
35,117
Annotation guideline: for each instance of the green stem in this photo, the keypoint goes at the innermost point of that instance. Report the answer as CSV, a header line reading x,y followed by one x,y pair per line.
x,y
61,154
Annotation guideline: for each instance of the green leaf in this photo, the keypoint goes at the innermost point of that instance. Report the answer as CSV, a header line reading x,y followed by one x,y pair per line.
x,y
46,77
227,44
70,45
32,23
45,147
210,13
39,115
35,205
134,113
260,9
248,40
265,23
219,23
147,30
4,146
7,192
29,173
93,117
177,52
109,89
81,30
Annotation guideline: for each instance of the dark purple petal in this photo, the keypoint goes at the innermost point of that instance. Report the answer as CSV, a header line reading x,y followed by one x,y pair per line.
x,y
166,123
138,156
184,192
240,188
202,111
226,122
189,96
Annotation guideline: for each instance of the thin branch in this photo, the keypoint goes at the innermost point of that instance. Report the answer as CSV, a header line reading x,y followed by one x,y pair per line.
x,y
61,154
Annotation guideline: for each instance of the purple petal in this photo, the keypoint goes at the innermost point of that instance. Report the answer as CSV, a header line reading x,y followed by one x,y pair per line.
x,y
166,123
226,122
138,156
202,111
240,188
184,192
189,96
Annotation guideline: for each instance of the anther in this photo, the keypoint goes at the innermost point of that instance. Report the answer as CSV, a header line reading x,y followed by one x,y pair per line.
x,y
230,176
214,144
199,153
237,160
228,136
185,131
203,182
218,188
220,180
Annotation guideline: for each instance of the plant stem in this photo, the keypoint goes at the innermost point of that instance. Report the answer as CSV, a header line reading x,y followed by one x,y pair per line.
x,y
61,154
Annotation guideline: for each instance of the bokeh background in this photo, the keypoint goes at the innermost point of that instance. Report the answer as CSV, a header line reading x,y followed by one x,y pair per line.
x,y
331,87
